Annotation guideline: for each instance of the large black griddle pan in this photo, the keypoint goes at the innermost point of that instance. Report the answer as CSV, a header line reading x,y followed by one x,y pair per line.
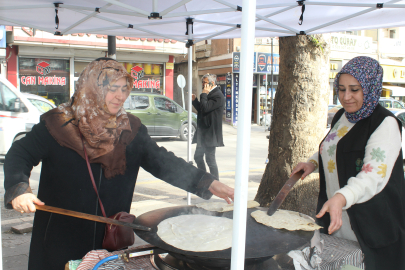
x,y
261,241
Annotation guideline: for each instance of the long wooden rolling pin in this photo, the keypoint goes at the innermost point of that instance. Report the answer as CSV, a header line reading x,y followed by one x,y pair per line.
x,y
71,213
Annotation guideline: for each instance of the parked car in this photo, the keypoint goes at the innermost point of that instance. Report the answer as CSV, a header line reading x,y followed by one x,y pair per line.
x,y
18,113
162,116
391,103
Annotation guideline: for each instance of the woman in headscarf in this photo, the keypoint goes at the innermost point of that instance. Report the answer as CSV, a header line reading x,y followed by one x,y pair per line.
x,y
362,192
117,145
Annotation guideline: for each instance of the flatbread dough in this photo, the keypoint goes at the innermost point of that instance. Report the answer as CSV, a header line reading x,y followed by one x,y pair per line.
x,y
223,206
284,219
199,233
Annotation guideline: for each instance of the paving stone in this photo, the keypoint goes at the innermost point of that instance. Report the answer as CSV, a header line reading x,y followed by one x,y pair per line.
x,y
19,262
27,219
22,228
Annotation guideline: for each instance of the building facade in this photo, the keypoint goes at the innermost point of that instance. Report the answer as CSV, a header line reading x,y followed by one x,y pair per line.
x,y
47,65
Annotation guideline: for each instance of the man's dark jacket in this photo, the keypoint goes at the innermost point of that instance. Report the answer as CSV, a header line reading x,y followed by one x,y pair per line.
x,y
379,223
210,109
65,183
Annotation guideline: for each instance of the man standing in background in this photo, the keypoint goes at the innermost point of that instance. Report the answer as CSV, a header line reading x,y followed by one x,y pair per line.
x,y
208,136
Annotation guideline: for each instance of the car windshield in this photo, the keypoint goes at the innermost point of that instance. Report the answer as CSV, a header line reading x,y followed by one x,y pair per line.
x,y
42,106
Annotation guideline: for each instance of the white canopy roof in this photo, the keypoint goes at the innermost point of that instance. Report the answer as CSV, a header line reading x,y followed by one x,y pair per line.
x,y
212,18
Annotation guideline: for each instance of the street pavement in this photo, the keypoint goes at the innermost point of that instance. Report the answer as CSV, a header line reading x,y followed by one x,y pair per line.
x,y
150,192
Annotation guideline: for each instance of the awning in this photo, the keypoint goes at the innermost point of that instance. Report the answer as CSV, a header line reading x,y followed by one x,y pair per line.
x,y
396,91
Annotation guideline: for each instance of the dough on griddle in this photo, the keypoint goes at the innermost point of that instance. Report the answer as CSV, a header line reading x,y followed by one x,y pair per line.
x,y
284,219
223,206
198,233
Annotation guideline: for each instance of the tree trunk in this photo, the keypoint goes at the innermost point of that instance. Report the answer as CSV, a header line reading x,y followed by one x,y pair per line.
x,y
299,120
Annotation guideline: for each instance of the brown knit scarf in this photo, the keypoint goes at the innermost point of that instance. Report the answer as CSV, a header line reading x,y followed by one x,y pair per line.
x,y
105,135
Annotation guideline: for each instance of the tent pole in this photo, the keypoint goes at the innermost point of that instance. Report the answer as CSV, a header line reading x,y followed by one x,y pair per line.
x,y
271,85
190,91
112,47
243,135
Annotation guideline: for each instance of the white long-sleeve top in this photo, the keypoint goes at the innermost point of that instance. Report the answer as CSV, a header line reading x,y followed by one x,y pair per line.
x,y
381,153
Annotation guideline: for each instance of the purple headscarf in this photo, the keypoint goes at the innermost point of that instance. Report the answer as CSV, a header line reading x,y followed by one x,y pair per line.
x,y
368,72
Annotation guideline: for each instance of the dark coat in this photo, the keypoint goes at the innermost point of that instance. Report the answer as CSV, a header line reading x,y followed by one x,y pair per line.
x,y
210,110
65,183
379,223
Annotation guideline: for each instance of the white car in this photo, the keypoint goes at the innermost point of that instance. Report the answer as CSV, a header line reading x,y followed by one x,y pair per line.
x,y
18,113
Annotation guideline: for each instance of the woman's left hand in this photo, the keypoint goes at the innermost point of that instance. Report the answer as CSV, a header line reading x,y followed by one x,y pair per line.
x,y
334,207
222,191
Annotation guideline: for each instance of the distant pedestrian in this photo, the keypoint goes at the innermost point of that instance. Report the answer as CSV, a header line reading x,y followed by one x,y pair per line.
x,y
209,123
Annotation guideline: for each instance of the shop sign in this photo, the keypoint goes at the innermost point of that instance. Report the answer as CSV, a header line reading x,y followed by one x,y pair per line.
x,y
137,73
235,98
169,65
392,46
264,63
228,97
43,68
393,74
236,62
351,43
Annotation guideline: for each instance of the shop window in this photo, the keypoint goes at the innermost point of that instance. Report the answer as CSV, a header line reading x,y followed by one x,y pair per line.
x,y
393,33
48,78
147,77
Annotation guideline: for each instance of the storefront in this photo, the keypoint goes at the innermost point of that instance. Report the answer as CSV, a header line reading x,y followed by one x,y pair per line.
x,y
45,77
261,88
52,69
394,82
148,77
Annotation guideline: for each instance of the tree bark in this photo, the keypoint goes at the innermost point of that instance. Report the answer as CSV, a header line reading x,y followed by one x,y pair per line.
x,y
299,120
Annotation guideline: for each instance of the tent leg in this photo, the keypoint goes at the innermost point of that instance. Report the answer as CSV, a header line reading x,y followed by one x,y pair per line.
x,y
243,135
190,91
112,47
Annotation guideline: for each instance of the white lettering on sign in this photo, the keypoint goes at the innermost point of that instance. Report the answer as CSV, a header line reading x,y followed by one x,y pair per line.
x,y
43,80
51,80
28,80
147,84
351,43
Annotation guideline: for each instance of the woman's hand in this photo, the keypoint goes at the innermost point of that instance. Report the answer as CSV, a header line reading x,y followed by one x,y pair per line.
x,y
25,203
307,167
222,191
334,207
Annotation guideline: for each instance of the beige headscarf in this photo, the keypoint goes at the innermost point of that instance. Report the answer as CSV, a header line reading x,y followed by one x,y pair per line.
x,y
105,134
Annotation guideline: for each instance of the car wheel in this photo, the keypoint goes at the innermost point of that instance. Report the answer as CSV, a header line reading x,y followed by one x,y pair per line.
x,y
184,131
19,137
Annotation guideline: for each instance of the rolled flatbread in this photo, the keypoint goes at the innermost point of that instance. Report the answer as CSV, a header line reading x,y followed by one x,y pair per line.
x,y
285,219
198,233
223,206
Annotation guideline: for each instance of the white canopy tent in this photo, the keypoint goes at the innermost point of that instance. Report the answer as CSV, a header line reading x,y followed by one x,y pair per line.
x,y
208,19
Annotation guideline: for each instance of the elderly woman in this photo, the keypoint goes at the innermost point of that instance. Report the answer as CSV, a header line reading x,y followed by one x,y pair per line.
x,y
117,145
362,192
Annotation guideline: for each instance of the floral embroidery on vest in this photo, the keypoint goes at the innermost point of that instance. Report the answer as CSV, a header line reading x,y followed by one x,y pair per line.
x,y
331,166
378,154
342,132
330,137
367,168
332,149
383,171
